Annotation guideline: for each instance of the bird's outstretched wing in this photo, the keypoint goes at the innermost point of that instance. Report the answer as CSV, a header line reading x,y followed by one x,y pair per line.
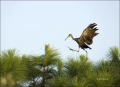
x,y
89,33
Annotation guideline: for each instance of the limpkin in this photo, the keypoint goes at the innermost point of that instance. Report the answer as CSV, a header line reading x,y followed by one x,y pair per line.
x,y
86,37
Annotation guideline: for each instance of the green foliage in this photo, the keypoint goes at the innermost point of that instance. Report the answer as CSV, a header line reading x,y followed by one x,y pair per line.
x,y
79,67
64,81
100,79
48,70
114,56
12,70
51,56
60,67
31,63
60,81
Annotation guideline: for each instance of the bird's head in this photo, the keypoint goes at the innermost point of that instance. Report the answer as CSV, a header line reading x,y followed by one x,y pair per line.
x,y
68,36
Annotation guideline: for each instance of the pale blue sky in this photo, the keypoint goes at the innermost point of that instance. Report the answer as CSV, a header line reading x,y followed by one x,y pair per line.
x,y
29,25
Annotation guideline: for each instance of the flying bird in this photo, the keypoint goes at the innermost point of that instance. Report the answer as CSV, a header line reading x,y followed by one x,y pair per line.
x,y
86,37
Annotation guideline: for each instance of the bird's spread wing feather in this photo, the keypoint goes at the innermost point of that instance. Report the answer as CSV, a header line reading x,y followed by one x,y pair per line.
x,y
89,33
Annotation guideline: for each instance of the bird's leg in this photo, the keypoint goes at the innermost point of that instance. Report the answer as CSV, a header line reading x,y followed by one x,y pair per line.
x,y
78,49
86,54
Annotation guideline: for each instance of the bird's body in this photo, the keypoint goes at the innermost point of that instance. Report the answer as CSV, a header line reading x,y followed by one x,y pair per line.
x,y
86,38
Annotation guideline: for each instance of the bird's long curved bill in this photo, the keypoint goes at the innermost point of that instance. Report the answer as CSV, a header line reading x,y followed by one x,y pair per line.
x,y
66,38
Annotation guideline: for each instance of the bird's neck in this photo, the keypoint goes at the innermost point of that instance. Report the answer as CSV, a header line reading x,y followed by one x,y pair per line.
x,y
72,37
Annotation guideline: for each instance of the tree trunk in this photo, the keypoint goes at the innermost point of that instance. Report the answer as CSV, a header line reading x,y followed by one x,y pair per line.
x,y
43,79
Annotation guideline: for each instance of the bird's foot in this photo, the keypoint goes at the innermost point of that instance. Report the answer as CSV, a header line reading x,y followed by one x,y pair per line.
x,y
73,49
